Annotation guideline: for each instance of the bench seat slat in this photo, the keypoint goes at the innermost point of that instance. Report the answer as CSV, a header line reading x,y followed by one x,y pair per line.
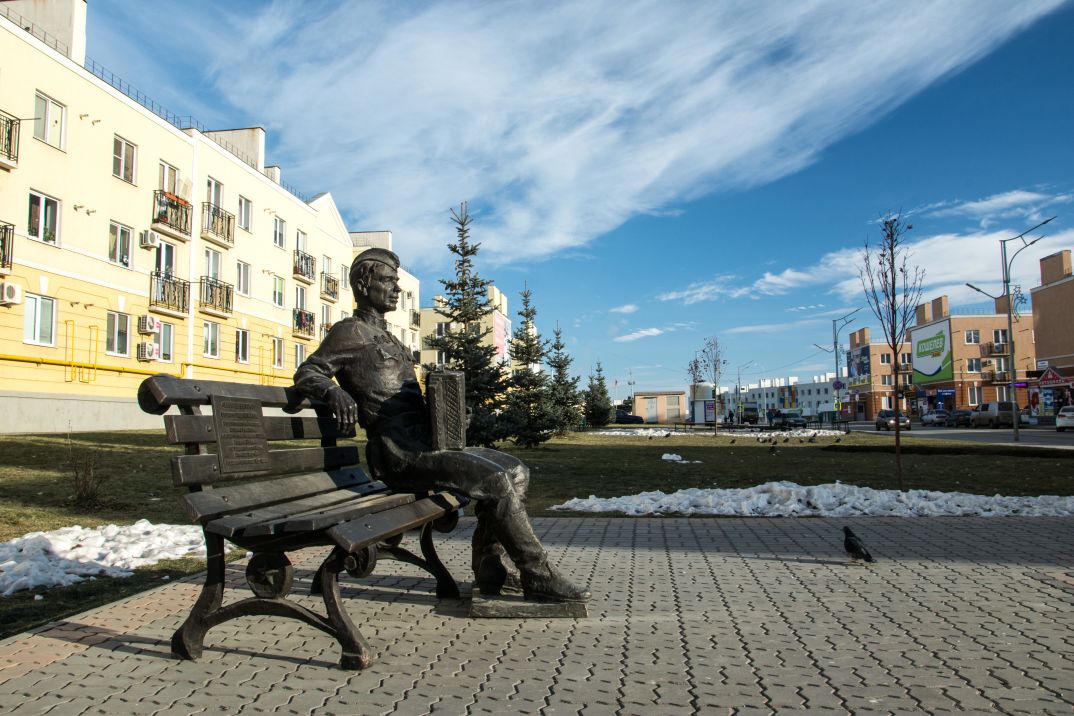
x,y
232,524
370,529
205,469
208,504
313,521
200,428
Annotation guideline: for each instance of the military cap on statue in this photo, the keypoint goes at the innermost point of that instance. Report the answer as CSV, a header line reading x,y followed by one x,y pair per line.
x,y
383,256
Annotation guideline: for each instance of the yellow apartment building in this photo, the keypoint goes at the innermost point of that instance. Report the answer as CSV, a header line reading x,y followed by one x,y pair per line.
x,y
1053,326
870,383
963,360
134,242
432,324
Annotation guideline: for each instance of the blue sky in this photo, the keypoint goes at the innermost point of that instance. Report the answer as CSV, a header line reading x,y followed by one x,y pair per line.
x,y
656,172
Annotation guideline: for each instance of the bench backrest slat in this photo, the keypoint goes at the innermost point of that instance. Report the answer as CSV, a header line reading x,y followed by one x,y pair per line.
x,y
161,392
200,428
208,504
205,469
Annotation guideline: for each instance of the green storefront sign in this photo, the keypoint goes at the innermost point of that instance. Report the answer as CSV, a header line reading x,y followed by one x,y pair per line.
x,y
932,356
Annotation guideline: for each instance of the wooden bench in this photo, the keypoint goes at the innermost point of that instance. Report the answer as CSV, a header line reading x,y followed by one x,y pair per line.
x,y
273,501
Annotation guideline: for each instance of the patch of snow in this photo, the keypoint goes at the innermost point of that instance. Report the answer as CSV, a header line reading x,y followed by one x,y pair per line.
x,y
787,499
673,458
69,555
642,432
796,433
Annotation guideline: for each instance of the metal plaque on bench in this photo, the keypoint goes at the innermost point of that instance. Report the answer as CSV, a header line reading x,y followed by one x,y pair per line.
x,y
445,391
241,443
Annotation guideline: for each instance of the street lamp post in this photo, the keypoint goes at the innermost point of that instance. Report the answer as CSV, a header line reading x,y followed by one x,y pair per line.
x,y
738,391
1007,263
836,327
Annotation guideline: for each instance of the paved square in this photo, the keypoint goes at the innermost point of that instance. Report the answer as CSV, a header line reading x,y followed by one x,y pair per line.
x,y
688,616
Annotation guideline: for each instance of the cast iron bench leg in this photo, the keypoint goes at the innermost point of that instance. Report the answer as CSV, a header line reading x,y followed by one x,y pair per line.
x,y
356,651
187,640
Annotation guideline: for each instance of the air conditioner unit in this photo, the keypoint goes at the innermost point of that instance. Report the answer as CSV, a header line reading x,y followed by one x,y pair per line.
x,y
149,239
10,294
148,351
148,324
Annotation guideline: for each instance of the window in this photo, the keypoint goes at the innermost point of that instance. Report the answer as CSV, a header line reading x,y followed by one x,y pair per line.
x,y
300,298
886,402
43,222
279,229
210,343
242,345
168,178
242,278
119,244
441,329
974,396
300,354
999,335
211,264
123,158
326,316
277,291
885,359
344,315
245,209
50,120
886,380
326,265
973,365
214,192
973,335
906,359
345,278
441,358
1002,363
164,262
277,353
1003,393
300,240
39,320
117,341
165,341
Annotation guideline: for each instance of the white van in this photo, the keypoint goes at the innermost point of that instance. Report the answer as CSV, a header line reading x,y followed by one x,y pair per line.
x,y
994,414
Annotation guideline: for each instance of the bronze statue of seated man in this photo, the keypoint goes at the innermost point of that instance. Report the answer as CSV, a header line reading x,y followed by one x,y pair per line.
x,y
378,389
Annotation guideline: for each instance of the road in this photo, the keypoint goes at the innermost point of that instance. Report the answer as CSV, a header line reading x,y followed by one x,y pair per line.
x,y
1036,436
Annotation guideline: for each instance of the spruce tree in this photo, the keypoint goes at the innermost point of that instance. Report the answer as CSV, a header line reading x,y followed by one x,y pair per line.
x,y
563,389
598,404
529,406
463,343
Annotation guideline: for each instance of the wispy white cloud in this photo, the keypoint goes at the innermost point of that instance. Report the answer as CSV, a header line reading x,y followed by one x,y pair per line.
x,y
772,327
639,334
625,308
560,121
710,290
1015,204
810,307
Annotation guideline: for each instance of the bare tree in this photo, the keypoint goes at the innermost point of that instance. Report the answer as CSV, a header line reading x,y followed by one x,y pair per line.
x,y
892,289
710,363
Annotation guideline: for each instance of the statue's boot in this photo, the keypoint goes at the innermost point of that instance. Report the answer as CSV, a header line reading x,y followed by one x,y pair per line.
x,y
540,581
493,574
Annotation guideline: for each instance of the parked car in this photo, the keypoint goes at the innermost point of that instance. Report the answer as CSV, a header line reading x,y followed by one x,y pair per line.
x,y
622,417
787,419
1064,418
993,415
958,419
885,420
934,417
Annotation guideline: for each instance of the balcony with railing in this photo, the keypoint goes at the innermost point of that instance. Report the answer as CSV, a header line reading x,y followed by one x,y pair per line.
x,y
168,294
305,267
215,296
9,141
329,287
171,215
217,225
7,246
304,324
997,348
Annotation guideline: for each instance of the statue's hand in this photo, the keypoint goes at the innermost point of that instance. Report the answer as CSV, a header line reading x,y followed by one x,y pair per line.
x,y
343,407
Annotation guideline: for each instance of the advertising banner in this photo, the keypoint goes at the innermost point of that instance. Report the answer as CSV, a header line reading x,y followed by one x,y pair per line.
x,y
931,349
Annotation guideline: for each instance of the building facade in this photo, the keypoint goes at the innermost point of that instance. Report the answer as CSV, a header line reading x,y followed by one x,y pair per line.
x,y
661,406
870,381
1053,327
963,360
496,325
135,242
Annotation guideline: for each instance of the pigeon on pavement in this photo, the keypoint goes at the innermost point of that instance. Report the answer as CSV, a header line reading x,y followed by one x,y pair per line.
x,y
854,546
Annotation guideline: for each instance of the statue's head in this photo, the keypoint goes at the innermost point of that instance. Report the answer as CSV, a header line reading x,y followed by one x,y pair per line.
x,y
374,279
